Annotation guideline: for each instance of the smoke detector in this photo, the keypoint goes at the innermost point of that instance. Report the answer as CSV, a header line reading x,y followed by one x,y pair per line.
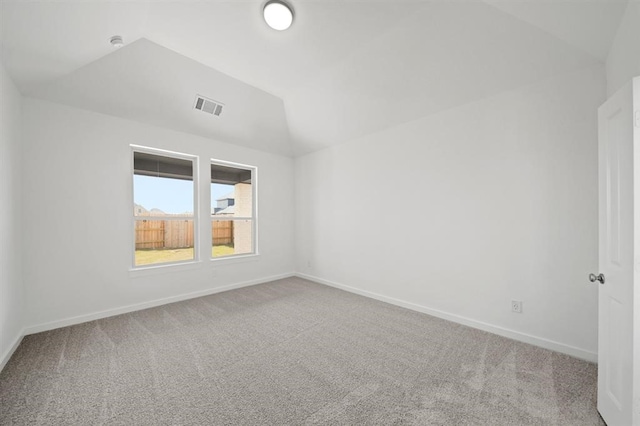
x,y
208,105
116,41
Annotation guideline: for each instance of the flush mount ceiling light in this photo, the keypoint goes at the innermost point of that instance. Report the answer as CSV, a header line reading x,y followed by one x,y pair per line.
x,y
116,41
278,14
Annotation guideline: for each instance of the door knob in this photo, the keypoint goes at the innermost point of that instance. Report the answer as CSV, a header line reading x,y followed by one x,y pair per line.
x,y
593,278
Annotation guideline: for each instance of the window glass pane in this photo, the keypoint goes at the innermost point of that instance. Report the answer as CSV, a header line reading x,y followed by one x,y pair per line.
x,y
161,241
231,191
164,205
231,237
231,211
155,196
162,186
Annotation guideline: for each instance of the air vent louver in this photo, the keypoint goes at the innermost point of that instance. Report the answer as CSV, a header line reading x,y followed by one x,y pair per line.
x,y
208,105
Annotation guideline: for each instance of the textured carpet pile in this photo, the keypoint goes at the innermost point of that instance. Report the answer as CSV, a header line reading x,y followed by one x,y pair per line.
x,y
289,352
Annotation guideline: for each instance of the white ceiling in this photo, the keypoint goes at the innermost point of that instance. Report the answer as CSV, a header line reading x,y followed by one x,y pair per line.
x,y
152,84
343,70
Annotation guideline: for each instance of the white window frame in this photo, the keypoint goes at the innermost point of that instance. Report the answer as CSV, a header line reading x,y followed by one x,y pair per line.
x,y
196,209
254,211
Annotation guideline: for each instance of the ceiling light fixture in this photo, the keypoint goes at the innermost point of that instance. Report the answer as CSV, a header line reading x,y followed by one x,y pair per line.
x,y
278,14
116,41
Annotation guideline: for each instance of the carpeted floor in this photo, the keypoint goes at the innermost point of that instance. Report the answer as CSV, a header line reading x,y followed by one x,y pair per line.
x,y
289,352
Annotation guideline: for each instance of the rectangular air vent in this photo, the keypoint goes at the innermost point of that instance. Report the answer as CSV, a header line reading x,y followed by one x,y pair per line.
x,y
208,105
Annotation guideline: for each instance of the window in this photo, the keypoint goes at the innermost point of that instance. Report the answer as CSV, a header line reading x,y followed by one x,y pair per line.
x,y
233,209
164,196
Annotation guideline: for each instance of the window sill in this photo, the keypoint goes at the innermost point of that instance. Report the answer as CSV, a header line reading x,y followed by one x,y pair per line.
x,y
144,271
235,259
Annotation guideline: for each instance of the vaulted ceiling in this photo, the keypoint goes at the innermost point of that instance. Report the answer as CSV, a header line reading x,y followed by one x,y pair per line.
x,y
343,70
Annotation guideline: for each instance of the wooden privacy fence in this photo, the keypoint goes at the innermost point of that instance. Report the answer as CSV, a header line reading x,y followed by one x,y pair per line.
x,y
168,234
222,231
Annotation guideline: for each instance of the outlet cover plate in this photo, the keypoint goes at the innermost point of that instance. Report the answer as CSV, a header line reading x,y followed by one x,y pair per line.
x,y
516,306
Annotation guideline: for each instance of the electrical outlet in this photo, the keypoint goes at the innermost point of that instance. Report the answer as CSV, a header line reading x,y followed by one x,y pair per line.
x,y
516,306
309,264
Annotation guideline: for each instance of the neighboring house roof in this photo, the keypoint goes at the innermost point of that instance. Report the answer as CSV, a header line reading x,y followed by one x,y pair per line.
x,y
228,210
229,196
155,211
138,209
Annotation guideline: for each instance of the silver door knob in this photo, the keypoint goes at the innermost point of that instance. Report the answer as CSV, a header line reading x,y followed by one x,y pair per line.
x,y
593,278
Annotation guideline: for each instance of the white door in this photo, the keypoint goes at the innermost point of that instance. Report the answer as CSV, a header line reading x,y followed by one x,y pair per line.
x,y
617,365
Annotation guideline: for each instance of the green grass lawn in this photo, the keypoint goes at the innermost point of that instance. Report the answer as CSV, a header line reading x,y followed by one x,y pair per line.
x,y
150,257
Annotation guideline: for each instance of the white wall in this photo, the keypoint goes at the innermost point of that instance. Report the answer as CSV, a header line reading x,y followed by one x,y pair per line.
x,y
465,210
623,61
77,224
11,289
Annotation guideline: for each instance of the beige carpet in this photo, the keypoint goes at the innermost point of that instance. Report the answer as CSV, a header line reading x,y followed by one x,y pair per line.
x,y
289,352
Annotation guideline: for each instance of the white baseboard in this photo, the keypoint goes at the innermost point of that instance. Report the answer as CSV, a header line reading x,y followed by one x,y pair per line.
x,y
145,305
501,331
7,355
